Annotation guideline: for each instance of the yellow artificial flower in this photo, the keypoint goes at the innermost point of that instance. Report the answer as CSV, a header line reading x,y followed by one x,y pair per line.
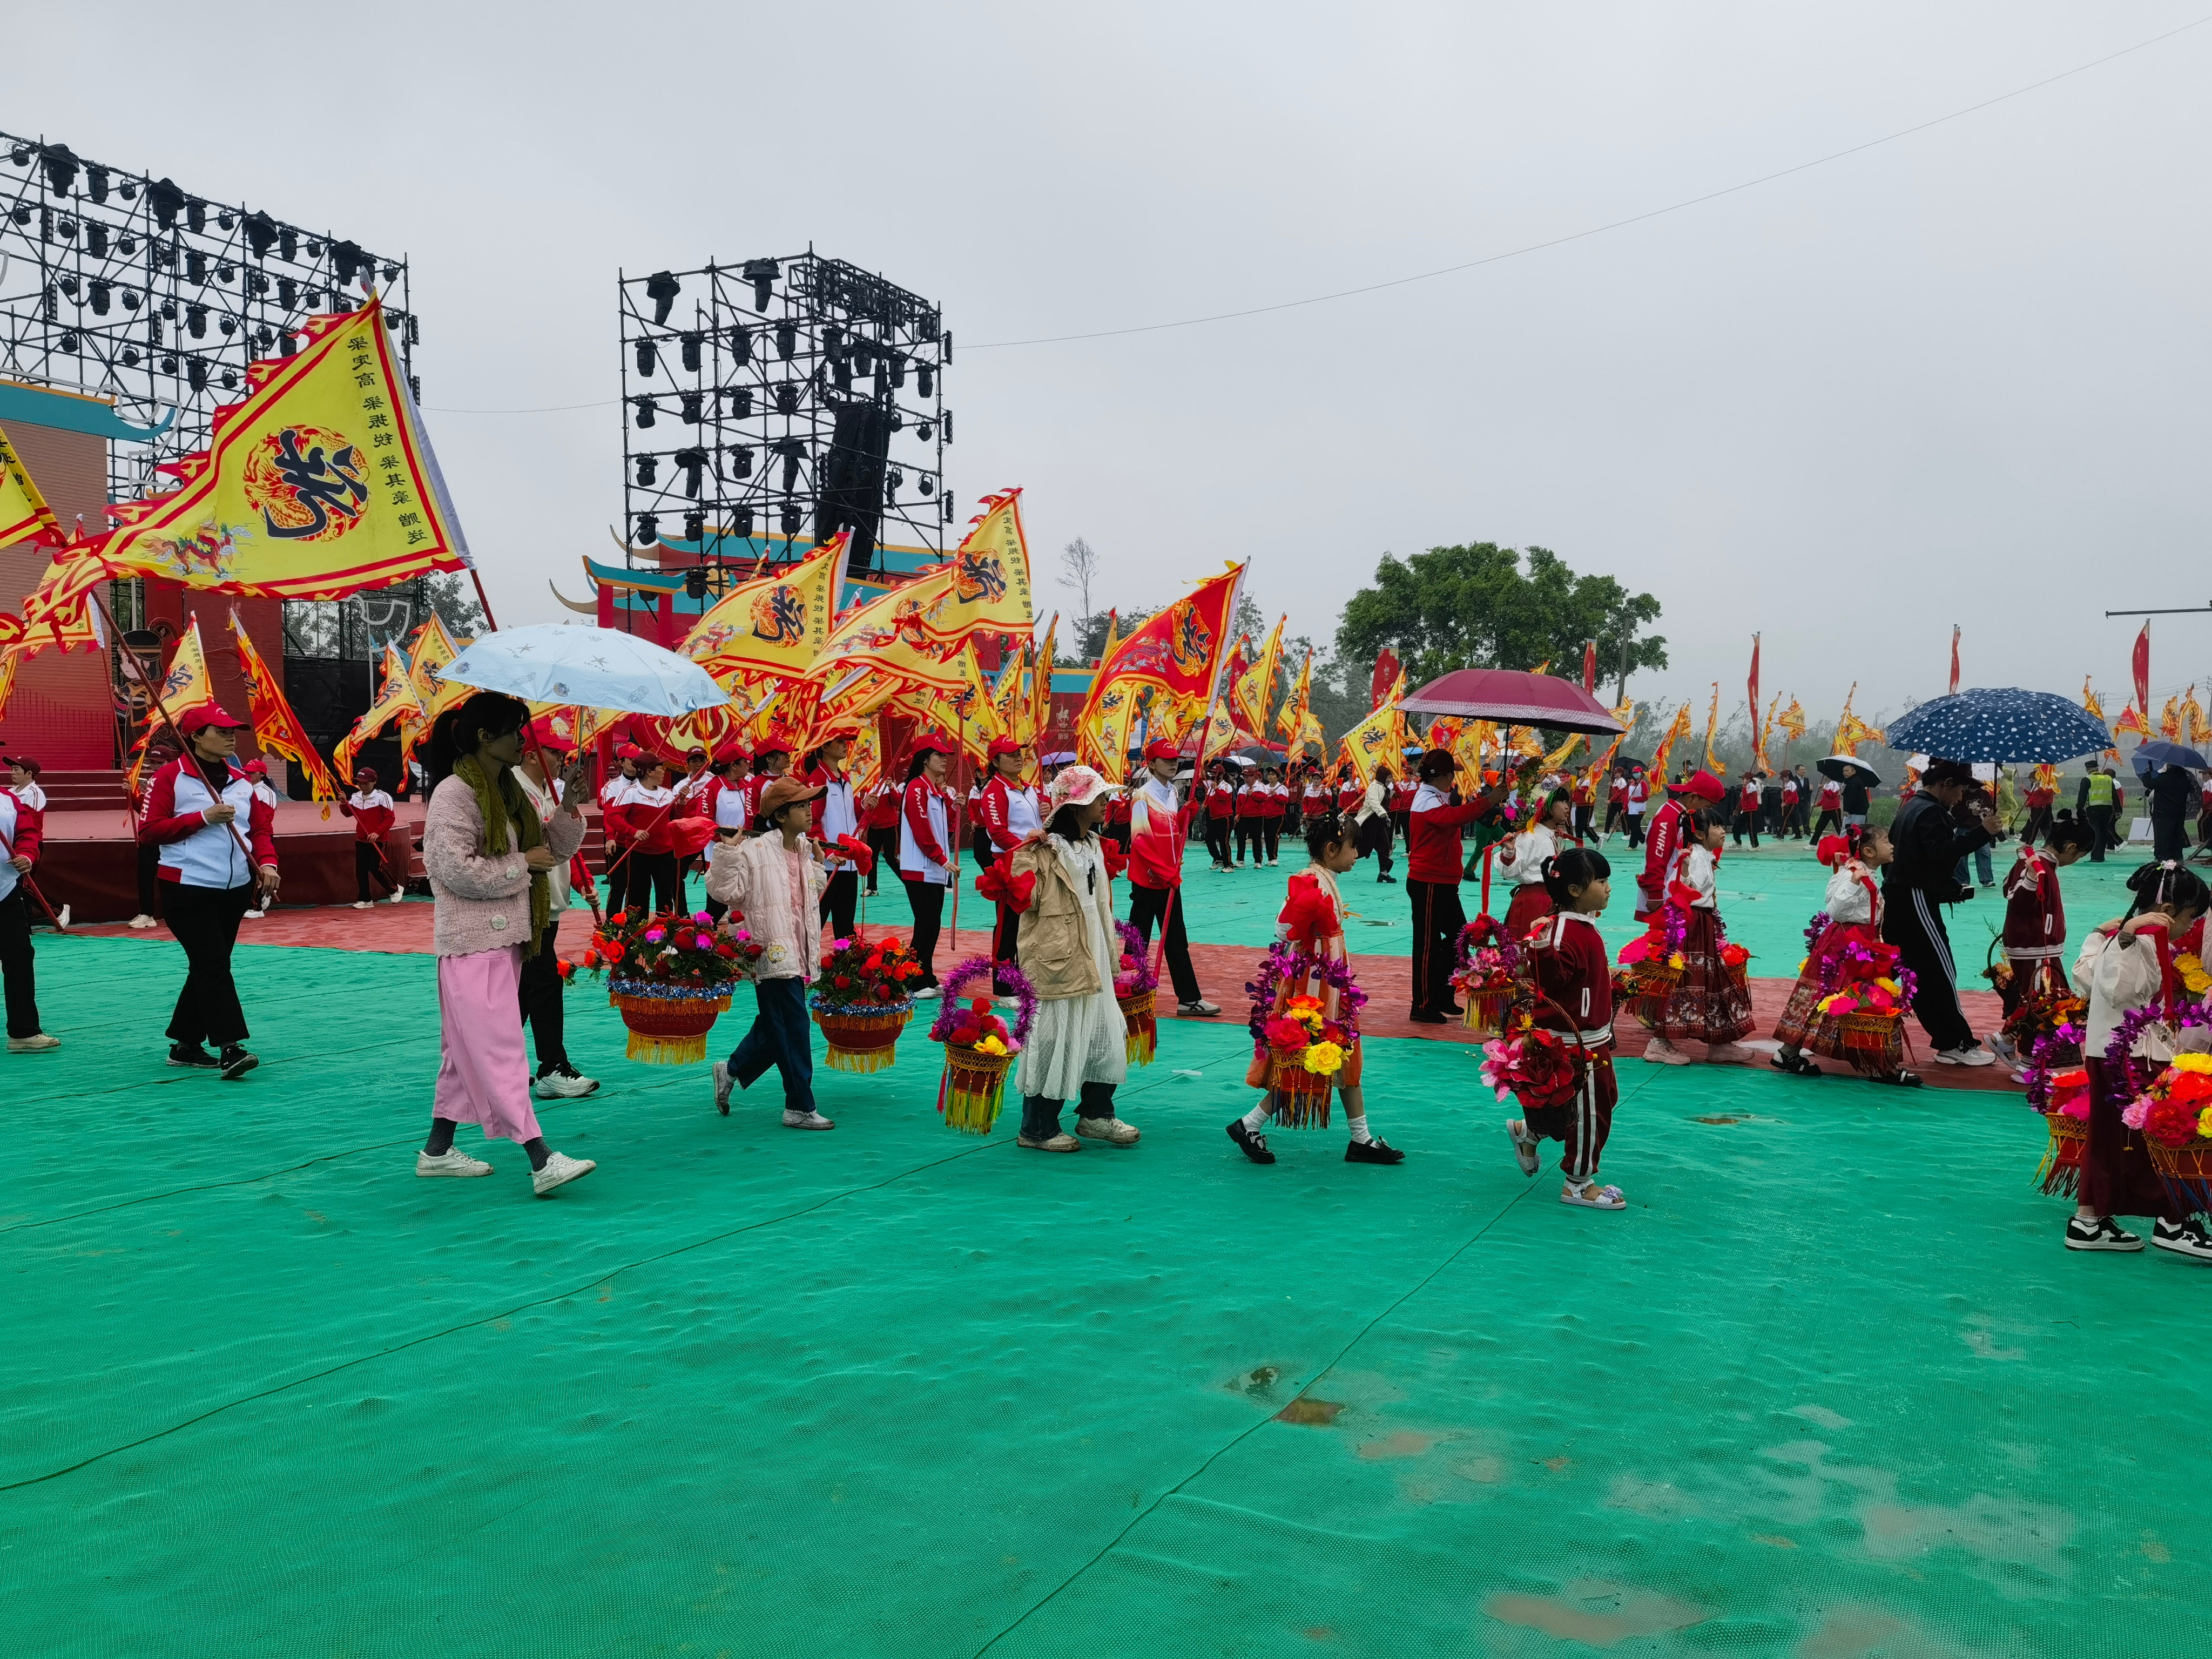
x,y
2192,973
2204,1123
1801,963
1326,1058
992,1044
2191,1062
1891,986
1674,960
1309,1018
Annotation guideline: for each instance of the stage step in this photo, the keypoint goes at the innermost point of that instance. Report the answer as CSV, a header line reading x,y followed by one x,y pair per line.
x,y
84,791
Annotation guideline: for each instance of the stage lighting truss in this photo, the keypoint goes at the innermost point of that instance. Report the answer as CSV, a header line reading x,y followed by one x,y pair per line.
x,y
732,379
121,286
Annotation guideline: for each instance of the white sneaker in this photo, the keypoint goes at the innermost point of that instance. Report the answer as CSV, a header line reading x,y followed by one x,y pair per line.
x,y
364,904
2183,1238
1730,1054
62,920
723,1084
1969,1055
400,897
563,1083
143,922
1107,1128
253,916
560,1170
805,1120
451,1162
36,1043
928,993
1664,1053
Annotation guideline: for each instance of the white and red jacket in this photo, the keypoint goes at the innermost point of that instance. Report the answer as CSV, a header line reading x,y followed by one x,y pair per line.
x,y
194,852
1220,800
1432,835
1313,799
1746,800
372,812
22,828
836,817
925,832
1832,796
2035,916
1663,841
1158,830
1349,795
1618,794
725,803
1009,814
1638,793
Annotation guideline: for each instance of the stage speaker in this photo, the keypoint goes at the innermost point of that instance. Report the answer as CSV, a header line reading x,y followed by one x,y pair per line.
x,y
851,481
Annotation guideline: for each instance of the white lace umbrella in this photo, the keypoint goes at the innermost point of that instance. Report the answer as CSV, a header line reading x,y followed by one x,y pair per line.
x,y
591,667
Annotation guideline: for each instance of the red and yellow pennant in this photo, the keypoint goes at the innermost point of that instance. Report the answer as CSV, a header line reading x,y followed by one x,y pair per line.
x,y
275,727
988,590
395,700
318,483
1176,655
24,515
1254,689
1380,739
887,637
777,623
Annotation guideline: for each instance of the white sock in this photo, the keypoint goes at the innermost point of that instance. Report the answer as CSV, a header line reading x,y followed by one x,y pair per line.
x,y
1256,1119
1359,1128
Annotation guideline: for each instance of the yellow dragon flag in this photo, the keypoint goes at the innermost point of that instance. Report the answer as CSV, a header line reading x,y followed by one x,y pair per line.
x,y
1176,655
989,574
1712,726
2192,713
1040,661
2169,720
318,483
187,685
24,515
63,603
275,727
1113,634
776,623
1221,734
432,649
1675,733
1255,687
1010,698
1557,757
395,700
864,759
887,637
1296,722
1380,739
1792,720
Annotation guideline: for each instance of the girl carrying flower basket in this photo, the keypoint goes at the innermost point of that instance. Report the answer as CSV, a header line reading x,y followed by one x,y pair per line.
x,y
1850,996
1558,1059
1305,1007
2031,985
1709,1000
1059,883
2126,973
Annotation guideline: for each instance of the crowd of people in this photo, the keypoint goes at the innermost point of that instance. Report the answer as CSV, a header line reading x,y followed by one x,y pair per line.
x,y
784,842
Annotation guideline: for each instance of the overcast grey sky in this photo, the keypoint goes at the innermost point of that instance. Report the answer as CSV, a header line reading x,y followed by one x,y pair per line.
x,y
1959,377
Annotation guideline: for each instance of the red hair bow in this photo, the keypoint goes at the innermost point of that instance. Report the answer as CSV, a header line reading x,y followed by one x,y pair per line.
x,y
1308,918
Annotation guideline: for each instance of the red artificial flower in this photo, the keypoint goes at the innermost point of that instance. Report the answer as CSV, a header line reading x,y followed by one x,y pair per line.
x,y
591,959
966,1035
618,918
566,968
615,952
725,949
1288,1035
843,982
2191,1087
2172,1122
981,1005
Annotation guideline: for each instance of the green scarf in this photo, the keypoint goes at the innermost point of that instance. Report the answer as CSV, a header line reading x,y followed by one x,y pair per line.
x,y
502,805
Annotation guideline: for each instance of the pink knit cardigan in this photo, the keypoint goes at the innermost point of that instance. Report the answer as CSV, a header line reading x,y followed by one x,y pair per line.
x,y
483,903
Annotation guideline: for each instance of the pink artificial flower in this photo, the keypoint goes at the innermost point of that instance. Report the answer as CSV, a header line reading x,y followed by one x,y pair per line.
x,y
703,942
2134,1112
702,919
654,935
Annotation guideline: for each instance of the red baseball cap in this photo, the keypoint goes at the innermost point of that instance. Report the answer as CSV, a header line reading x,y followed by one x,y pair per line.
x,y
1005,747
929,742
1164,749
252,767
1705,785
206,714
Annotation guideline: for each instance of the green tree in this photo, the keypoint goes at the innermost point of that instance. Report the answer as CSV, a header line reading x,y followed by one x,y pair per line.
x,y
1477,606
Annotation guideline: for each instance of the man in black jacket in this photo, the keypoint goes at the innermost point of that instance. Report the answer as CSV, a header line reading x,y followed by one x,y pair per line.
x,y
1920,879
2172,792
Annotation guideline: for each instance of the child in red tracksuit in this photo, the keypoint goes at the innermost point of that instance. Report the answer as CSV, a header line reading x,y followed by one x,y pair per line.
x,y
1574,984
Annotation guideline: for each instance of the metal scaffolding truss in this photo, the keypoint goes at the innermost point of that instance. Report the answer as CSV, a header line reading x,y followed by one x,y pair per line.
x,y
781,397
127,287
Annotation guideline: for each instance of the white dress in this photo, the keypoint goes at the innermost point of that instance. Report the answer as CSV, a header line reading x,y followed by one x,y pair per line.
x,y
1080,1040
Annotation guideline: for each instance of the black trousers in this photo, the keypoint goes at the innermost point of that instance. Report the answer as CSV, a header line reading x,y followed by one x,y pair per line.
x,y
2168,838
1915,928
616,869
1274,835
20,963
927,899
884,840
540,996
1831,819
1150,905
1375,837
1249,835
1437,919
1041,1116
1217,838
1746,823
1636,828
2100,832
205,921
1005,938
840,899
654,881
1584,820
1614,812
2039,824
150,880
369,871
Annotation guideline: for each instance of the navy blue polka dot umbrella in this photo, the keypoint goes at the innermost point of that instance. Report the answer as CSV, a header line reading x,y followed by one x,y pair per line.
x,y
2002,724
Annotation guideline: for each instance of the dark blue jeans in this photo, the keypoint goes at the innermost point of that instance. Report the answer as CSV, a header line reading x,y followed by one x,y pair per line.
x,y
781,1037
1041,1116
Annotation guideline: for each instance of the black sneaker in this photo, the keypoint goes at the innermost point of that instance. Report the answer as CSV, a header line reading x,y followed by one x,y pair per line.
x,y
2183,1238
1427,1017
1254,1146
1393,880
2098,1233
191,1055
1371,1151
235,1062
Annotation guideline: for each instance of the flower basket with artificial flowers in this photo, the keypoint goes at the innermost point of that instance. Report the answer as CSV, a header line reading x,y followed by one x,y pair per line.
x,y
1652,964
1539,1067
1737,961
1300,1053
2068,1116
2048,1024
979,1048
862,999
1487,978
2174,1115
670,975
1135,985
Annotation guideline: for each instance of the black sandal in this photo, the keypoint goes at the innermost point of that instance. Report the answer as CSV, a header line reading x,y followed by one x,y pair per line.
x,y
1899,1078
1800,1065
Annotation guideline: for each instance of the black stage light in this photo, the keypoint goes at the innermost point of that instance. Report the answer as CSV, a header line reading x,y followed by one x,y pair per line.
x,y
288,292
349,261
169,311
95,240
100,293
68,341
647,409
649,530
693,339
313,298
196,216
21,216
745,522
741,403
391,274
741,461
230,380
196,371
195,265
69,286
892,480
226,220
741,343
645,358
924,378
793,452
945,501
948,426
944,352
126,245
225,271
21,155
923,484
840,371
786,340
864,358
168,365
257,283
692,407
61,168
265,338
130,189
649,470
315,248
228,324
761,274
898,370
694,579
833,339
131,356
693,463
130,299
898,421
695,529
67,226
662,288
286,345
196,320
260,234
391,321
787,398
792,517
288,243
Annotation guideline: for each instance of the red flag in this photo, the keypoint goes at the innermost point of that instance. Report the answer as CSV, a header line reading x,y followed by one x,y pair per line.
x,y
1955,660
1386,675
2143,670
1753,686
1589,667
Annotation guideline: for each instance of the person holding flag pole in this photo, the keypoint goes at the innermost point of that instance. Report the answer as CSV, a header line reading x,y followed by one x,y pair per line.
x,y
19,850
1158,827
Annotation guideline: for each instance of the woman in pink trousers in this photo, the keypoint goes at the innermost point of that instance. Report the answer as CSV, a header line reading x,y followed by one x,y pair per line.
x,y
489,859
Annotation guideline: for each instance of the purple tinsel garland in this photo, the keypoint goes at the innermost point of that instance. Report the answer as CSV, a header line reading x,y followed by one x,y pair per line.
x,y
952,992
1486,930
1281,963
1132,946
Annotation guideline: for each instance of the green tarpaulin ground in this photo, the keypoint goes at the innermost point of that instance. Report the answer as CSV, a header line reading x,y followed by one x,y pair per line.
x,y
1830,1387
